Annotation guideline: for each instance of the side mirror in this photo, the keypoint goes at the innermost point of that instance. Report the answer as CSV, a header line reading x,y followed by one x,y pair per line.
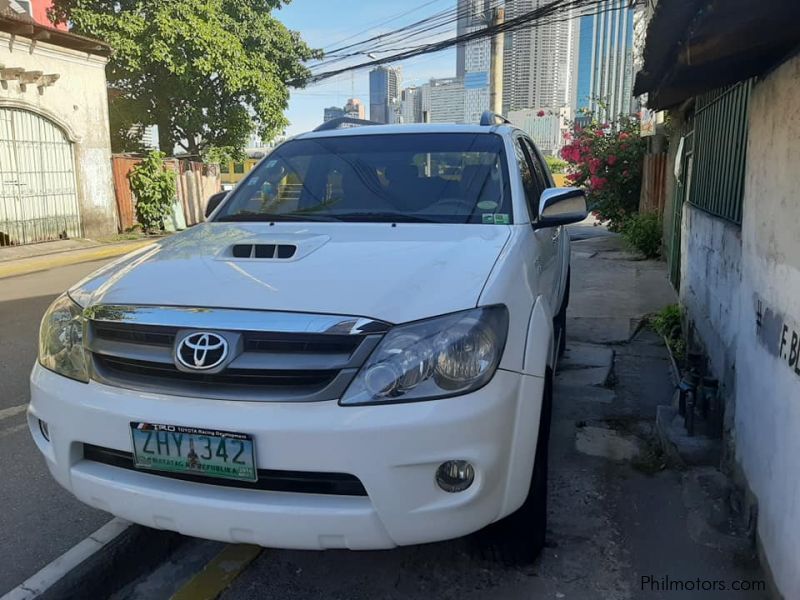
x,y
561,206
213,202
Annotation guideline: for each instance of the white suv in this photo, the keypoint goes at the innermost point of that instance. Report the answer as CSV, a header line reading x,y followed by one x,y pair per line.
x,y
354,351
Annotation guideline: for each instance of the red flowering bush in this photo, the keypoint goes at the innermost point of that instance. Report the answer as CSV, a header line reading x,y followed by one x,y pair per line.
x,y
606,160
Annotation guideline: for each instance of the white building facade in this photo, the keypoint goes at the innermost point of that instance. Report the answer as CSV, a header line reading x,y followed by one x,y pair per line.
x,y
55,147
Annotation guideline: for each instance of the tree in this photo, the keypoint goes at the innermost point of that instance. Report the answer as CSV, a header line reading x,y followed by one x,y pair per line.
x,y
207,72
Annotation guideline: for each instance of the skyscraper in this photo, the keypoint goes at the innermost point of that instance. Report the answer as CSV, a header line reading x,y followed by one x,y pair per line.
x,y
605,60
473,57
411,105
354,108
539,63
443,100
384,88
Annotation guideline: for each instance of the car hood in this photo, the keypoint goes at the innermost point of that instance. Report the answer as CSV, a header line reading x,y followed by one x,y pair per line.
x,y
395,273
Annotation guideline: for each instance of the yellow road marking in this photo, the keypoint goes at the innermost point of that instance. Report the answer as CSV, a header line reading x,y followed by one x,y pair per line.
x,y
33,264
219,573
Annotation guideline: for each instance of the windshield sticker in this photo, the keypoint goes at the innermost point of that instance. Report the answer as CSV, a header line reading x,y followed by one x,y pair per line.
x,y
495,219
487,204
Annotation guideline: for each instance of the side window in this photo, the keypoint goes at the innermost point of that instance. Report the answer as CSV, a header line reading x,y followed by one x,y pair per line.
x,y
538,170
528,181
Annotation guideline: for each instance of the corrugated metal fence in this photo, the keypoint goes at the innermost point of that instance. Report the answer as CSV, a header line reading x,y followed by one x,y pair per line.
x,y
196,181
720,144
654,179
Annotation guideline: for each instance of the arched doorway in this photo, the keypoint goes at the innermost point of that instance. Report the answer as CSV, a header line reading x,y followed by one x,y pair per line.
x,y
38,196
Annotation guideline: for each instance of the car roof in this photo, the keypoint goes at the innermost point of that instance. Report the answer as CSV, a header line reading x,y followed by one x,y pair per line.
x,y
501,129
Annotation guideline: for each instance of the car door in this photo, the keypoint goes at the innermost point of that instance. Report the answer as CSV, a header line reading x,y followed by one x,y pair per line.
x,y
538,254
547,240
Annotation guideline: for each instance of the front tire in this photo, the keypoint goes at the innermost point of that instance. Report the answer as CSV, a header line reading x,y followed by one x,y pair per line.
x,y
519,538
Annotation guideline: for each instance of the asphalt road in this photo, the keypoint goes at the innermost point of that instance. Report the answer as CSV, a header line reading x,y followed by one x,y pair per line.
x,y
38,519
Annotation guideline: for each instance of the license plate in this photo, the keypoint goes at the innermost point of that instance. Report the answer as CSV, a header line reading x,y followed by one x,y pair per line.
x,y
194,451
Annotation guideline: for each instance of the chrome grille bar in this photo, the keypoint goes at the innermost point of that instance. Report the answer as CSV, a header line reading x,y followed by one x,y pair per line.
x,y
280,356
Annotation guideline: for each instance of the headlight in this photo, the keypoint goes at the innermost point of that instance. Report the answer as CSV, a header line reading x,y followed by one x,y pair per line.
x,y
445,356
61,340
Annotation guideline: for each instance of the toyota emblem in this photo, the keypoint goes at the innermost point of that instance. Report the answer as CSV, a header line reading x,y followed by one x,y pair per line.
x,y
201,351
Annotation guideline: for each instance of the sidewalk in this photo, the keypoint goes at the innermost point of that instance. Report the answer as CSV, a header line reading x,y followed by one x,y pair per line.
x,y
21,260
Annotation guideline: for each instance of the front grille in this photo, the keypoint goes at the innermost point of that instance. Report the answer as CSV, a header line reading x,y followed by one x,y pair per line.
x,y
300,343
301,482
140,334
276,357
259,377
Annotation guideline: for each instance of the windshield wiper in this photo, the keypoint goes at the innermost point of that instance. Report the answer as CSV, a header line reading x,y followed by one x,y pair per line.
x,y
267,217
383,217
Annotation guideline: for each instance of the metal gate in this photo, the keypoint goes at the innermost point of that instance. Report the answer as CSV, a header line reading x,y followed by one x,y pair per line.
x,y
683,187
38,198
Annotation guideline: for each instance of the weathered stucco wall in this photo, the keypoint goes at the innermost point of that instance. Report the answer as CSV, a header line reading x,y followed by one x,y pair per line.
x,y
741,288
767,363
78,103
711,254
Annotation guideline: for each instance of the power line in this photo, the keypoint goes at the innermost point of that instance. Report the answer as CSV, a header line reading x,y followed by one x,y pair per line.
x,y
533,18
380,23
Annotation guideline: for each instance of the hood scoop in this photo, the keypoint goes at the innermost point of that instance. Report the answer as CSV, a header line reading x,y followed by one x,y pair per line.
x,y
287,247
280,251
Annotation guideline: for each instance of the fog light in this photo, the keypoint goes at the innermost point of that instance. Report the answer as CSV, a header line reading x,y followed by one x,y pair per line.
x,y
44,430
455,475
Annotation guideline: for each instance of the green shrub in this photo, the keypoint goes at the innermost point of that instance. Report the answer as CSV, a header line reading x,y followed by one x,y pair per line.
x,y
154,188
556,165
668,322
642,231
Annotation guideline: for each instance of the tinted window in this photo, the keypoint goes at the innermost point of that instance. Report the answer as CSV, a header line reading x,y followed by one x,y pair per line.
x,y
529,182
538,170
441,178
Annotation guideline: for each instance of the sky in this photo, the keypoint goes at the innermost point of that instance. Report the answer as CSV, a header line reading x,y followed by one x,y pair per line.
x,y
323,23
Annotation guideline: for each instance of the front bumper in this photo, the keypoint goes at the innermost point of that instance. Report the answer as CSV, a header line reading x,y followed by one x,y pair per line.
x,y
394,450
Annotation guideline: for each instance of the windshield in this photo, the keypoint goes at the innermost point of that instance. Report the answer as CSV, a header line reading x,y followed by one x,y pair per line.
x,y
436,178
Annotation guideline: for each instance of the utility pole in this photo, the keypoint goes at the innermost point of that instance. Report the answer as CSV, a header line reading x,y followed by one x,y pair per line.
x,y
496,84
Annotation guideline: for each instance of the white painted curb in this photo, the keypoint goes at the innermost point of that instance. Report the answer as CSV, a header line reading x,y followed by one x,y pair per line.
x,y
39,583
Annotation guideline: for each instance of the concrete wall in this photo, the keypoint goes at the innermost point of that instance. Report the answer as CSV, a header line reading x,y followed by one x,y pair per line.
x,y
78,103
767,366
711,255
741,288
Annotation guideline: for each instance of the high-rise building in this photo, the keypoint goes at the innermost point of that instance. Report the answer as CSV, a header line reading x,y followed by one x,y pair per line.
x,y
411,105
443,100
605,61
539,63
384,89
332,112
354,108
473,60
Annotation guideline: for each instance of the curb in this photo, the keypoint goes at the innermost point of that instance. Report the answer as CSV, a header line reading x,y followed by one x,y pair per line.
x,y
102,563
24,266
